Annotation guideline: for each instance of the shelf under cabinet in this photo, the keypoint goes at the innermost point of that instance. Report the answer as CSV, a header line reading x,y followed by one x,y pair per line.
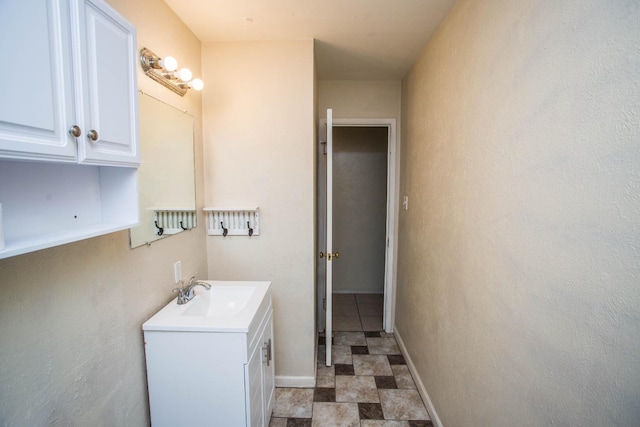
x,y
35,243
48,204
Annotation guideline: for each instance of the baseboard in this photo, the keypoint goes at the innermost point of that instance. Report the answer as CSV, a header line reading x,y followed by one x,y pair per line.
x,y
358,292
421,389
295,382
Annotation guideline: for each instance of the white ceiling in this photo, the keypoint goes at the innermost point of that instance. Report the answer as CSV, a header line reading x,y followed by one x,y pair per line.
x,y
355,39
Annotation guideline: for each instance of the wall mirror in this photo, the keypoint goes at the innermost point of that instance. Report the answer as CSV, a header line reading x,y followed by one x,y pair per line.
x,y
166,177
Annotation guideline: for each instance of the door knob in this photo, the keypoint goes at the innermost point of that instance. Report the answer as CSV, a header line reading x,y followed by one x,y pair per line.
x,y
75,131
93,135
330,255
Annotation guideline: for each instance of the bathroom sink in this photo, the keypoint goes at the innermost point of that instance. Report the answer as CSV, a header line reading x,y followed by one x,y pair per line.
x,y
219,301
229,306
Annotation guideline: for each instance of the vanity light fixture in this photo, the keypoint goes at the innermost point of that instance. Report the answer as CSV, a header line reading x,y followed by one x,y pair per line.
x,y
163,71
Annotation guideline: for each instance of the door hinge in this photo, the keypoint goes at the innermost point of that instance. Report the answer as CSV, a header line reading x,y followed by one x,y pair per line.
x,y
324,303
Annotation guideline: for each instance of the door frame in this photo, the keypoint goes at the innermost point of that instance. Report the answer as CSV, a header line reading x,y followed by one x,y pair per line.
x,y
393,188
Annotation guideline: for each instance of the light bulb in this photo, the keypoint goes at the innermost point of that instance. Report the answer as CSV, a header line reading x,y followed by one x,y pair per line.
x,y
185,74
197,84
169,63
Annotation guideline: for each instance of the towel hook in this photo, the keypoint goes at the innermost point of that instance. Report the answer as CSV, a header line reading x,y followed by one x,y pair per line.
x,y
160,229
225,231
250,229
182,226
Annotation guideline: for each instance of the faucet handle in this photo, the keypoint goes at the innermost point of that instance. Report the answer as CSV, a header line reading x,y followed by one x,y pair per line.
x,y
180,292
181,295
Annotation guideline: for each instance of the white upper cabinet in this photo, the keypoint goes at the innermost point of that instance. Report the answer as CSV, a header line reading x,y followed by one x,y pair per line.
x,y
36,98
106,57
69,68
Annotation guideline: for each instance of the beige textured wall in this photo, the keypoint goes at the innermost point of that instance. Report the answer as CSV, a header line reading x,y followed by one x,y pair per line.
x,y
259,151
519,258
71,349
359,208
356,99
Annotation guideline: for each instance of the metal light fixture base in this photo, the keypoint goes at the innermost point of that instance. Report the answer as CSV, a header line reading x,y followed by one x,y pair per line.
x,y
149,62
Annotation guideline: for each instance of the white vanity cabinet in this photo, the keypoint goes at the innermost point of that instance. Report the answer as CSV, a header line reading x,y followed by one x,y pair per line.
x,y
68,65
211,370
70,68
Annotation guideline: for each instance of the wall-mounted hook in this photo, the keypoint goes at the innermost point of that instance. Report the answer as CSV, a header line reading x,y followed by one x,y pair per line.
x,y
160,229
182,226
240,222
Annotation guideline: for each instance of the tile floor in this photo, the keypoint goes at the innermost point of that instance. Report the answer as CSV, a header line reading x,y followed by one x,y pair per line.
x,y
368,384
357,312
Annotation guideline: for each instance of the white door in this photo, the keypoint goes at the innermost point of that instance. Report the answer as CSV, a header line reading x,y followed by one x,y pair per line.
x,y
329,255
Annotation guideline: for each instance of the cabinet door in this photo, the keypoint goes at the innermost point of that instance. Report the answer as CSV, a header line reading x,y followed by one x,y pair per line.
x,y
105,58
36,102
260,377
253,393
268,371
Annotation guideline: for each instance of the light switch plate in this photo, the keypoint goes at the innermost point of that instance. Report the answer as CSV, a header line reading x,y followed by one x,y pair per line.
x,y
177,271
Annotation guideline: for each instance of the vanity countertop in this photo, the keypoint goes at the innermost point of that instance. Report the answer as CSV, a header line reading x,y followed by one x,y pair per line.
x,y
229,306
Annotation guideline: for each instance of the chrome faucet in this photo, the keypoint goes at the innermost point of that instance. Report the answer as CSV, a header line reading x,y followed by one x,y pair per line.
x,y
186,293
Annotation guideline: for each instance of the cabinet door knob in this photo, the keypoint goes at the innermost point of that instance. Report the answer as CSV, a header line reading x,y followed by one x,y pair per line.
x,y
93,135
75,131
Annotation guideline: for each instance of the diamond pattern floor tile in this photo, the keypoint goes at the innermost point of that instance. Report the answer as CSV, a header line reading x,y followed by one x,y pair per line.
x,y
353,388
371,364
402,405
369,383
335,415
293,403
383,346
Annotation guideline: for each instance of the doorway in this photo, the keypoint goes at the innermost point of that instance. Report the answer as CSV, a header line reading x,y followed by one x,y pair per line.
x,y
367,255
359,209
